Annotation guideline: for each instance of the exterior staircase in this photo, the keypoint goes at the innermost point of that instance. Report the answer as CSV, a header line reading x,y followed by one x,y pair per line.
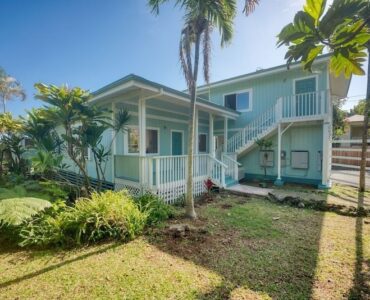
x,y
264,125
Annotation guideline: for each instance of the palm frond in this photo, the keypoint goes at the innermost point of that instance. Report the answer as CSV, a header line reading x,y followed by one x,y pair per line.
x,y
250,6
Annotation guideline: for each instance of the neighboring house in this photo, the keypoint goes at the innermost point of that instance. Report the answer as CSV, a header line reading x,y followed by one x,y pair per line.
x,y
355,128
290,107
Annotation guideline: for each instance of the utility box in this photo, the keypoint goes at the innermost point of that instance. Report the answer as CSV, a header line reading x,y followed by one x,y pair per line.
x,y
299,159
267,158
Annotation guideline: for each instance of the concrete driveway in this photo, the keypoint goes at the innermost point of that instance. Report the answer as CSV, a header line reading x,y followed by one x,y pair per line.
x,y
348,177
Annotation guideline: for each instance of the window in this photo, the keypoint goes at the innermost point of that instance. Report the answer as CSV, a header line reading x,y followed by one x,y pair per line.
x,y
152,141
133,140
240,101
202,143
152,146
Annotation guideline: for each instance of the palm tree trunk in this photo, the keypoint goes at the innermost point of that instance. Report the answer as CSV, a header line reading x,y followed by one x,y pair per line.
x,y
362,185
190,211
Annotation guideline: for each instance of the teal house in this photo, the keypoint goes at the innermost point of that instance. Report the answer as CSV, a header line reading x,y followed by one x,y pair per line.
x,y
291,108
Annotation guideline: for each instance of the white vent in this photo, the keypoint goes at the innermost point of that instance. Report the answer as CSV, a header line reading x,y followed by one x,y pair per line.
x,y
300,159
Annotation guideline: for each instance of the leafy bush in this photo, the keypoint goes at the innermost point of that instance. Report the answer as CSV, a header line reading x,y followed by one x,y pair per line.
x,y
155,208
14,211
106,215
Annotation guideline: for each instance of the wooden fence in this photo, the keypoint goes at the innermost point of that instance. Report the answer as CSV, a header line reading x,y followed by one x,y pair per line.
x,y
346,154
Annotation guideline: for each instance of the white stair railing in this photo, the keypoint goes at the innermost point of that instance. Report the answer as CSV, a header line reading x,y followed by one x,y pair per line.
x,y
232,165
253,130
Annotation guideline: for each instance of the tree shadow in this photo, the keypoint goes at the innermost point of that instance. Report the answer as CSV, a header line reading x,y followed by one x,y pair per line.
x,y
56,266
361,288
265,257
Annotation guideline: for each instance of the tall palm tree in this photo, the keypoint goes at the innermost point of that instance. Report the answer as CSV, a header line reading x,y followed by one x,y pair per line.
x,y
10,88
201,16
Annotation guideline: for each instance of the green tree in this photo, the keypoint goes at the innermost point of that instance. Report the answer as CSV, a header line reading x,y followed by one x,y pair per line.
x,y
343,28
10,88
82,125
201,16
338,118
359,108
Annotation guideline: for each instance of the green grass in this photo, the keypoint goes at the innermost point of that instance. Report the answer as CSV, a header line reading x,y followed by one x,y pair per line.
x,y
246,254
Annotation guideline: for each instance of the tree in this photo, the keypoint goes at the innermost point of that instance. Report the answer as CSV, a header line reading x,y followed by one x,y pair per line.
x,y
201,16
359,108
343,28
10,88
339,116
82,125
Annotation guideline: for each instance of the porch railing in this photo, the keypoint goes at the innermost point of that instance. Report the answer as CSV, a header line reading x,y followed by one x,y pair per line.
x,y
167,175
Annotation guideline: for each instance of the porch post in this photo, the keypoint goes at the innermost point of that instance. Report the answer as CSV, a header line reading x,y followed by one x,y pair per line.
x,y
142,139
196,132
326,155
211,139
226,129
278,180
114,151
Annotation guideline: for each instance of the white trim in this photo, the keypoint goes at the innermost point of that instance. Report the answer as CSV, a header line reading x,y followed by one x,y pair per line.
x,y
250,91
316,76
254,75
182,137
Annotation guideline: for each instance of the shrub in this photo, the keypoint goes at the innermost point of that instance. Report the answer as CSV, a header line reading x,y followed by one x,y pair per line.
x,y
106,215
156,210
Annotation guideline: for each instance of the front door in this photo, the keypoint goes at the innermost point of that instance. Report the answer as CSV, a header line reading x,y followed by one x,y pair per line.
x,y
177,142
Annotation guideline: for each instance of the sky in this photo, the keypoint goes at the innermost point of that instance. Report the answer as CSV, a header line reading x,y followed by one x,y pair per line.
x,y
90,43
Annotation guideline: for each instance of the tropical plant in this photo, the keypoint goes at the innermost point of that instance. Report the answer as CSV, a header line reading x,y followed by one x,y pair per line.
x,y
201,16
343,28
82,125
10,88
14,211
156,210
47,163
264,146
11,149
106,215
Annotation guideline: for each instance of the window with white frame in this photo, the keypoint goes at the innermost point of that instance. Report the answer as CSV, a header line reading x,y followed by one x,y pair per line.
x,y
152,141
202,143
240,101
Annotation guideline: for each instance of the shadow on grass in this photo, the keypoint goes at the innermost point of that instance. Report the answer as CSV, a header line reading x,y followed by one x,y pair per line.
x,y
258,248
360,287
56,266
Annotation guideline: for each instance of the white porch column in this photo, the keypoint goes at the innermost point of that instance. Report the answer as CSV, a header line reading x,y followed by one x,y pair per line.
x,y
326,155
114,147
196,132
278,180
226,130
211,139
142,138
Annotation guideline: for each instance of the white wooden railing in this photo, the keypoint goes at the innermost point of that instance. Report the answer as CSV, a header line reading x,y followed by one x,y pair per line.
x,y
300,107
232,164
305,106
253,130
167,175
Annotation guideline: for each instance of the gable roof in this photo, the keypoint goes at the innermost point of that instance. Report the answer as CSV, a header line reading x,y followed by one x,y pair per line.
x,y
260,73
139,81
355,118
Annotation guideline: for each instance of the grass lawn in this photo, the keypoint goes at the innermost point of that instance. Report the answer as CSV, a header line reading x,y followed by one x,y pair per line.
x,y
253,249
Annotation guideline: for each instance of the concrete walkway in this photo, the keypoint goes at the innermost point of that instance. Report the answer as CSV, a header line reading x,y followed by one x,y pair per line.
x,y
249,190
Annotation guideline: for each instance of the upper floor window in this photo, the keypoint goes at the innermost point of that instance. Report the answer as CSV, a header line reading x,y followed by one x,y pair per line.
x,y
240,101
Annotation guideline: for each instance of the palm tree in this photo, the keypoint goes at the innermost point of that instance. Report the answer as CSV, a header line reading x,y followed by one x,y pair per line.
x,y
10,88
200,17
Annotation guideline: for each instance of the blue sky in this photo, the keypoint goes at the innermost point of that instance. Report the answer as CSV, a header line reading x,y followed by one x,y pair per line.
x,y
90,43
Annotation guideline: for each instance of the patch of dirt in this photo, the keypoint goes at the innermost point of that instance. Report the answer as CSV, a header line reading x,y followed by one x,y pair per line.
x,y
226,206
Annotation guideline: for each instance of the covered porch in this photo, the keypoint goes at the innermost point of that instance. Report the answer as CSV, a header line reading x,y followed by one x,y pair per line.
x,y
151,155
